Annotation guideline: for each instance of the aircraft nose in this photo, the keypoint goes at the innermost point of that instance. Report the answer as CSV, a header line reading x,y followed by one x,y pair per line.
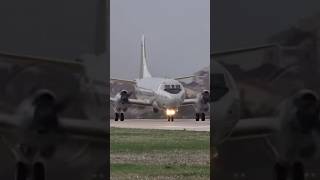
x,y
173,102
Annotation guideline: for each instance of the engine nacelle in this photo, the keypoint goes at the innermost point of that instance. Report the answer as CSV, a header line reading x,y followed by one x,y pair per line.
x,y
122,101
202,104
155,107
301,111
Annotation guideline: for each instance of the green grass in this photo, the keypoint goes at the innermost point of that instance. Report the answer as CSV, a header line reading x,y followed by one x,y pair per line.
x,y
159,154
127,171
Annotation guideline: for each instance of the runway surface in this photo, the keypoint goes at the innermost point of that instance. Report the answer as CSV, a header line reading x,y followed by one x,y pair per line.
x,y
178,124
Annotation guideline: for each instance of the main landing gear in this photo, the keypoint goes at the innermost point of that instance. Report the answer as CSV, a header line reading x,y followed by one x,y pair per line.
x,y
170,118
119,116
201,116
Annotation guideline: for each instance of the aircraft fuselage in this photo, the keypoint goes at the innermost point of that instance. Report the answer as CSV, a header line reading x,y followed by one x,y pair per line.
x,y
163,93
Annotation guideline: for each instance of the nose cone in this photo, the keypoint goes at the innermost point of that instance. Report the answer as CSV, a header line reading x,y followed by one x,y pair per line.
x,y
173,101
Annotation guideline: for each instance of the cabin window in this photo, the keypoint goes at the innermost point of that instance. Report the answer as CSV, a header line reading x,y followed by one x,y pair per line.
x,y
172,89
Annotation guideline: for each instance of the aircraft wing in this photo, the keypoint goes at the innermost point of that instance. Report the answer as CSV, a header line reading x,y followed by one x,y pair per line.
x,y
84,128
242,50
26,59
74,127
112,99
186,77
187,102
123,80
7,122
254,127
140,102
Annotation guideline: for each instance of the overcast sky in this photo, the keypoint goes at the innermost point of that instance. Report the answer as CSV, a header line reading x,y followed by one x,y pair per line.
x,y
177,31
58,29
250,22
177,36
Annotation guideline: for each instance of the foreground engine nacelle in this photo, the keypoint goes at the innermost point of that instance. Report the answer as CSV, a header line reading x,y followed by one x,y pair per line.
x,y
38,125
300,126
40,112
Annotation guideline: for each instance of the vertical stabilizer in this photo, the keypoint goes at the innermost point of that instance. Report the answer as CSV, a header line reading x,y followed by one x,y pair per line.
x,y
144,72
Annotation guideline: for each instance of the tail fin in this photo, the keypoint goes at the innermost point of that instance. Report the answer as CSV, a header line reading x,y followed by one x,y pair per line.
x,y
144,72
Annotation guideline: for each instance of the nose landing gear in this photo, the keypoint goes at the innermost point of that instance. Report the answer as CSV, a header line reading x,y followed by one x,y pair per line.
x,y
170,118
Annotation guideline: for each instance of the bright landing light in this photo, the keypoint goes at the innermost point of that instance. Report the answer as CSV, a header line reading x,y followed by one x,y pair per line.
x,y
170,112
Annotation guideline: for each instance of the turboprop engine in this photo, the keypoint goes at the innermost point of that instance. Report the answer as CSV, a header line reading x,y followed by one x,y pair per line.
x,y
121,104
202,105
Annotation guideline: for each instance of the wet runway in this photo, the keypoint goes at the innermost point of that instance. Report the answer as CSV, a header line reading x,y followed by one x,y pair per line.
x,y
178,124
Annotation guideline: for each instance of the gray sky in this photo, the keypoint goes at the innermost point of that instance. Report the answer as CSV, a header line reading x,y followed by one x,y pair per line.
x,y
58,29
177,36
250,22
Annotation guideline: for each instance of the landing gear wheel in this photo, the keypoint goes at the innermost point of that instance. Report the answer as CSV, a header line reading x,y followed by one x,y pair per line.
x,y
197,116
170,118
155,110
21,171
203,116
121,117
298,171
39,171
281,172
116,116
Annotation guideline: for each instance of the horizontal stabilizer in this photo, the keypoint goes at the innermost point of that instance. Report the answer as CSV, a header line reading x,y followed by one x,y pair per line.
x,y
186,77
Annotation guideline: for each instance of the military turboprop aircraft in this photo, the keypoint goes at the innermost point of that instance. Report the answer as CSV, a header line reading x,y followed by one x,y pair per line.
x,y
52,115
288,137
160,93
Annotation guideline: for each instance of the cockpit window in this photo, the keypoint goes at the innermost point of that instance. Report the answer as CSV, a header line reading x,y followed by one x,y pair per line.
x,y
219,86
173,89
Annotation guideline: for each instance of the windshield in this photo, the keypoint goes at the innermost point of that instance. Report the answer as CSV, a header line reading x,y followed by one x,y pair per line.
x,y
219,86
172,89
